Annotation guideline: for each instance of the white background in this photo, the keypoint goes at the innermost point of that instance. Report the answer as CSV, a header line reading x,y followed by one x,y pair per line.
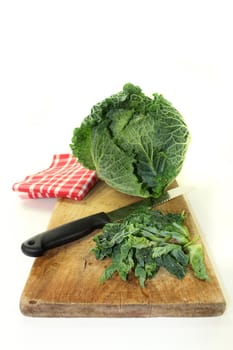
x,y
57,59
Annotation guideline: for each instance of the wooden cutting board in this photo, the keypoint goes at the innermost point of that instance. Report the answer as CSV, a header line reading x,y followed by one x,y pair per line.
x,y
65,281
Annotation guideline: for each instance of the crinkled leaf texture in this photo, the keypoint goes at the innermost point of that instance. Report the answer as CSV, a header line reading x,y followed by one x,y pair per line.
x,y
146,240
136,144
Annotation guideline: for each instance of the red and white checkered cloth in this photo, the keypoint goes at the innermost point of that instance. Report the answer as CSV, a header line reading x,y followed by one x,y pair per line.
x,y
65,178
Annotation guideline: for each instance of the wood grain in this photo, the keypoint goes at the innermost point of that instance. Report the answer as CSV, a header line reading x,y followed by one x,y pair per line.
x,y
65,281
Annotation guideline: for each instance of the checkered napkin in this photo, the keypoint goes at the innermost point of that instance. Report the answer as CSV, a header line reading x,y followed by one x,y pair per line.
x,y
65,178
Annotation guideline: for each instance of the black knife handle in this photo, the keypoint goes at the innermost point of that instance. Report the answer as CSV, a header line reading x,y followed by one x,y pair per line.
x,y
37,245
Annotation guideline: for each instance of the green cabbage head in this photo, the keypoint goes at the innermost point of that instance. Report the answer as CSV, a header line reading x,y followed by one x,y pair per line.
x,y
136,144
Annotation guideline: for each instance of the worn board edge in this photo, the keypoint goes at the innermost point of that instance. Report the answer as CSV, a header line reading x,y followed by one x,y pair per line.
x,y
42,309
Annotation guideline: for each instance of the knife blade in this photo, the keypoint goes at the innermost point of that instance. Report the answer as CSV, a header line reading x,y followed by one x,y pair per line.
x,y
37,245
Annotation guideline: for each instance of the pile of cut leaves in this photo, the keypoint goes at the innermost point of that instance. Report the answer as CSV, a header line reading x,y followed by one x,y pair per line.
x,y
147,240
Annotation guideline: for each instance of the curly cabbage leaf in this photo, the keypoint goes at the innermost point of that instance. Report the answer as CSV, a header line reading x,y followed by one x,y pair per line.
x,y
136,144
197,260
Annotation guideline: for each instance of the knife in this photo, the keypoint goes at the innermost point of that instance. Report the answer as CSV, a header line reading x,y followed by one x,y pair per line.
x,y
71,231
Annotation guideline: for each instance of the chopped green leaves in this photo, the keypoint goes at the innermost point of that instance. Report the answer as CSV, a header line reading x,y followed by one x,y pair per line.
x,y
147,240
197,260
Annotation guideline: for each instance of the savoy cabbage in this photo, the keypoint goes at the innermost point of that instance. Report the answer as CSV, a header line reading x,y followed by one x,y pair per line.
x,y
136,144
